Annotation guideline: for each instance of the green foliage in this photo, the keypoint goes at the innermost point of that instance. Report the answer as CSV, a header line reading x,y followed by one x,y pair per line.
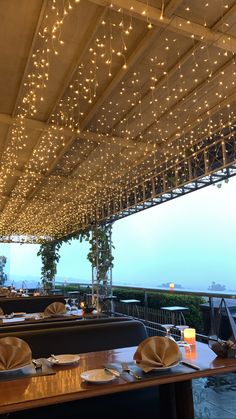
x,y
3,275
157,300
49,253
50,256
100,255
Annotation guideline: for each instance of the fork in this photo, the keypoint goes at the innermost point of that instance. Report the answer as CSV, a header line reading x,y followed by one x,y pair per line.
x,y
37,364
126,368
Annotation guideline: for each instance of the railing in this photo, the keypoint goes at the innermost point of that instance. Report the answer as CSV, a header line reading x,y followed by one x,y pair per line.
x,y
154,316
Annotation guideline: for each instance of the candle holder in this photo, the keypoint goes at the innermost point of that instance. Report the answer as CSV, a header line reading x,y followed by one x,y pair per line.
x,y
190,336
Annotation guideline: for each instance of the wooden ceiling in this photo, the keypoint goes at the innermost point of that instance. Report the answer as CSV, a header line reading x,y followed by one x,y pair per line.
x,y
95,95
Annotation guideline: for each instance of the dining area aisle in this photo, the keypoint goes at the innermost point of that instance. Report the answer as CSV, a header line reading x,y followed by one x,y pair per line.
x,y
214,397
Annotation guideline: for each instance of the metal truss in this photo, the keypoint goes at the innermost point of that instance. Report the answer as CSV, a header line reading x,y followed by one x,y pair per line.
x,y
210,164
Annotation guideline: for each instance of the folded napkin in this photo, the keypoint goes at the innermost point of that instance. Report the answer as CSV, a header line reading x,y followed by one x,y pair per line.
x,y
55,309
4,291
156,352
14,353
1,312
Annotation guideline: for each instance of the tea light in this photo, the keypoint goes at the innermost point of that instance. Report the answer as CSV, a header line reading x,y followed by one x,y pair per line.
x,y
190,336
171,285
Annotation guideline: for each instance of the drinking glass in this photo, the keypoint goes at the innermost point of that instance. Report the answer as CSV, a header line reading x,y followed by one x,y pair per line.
x,y
67,305
74,305
182,328
168,328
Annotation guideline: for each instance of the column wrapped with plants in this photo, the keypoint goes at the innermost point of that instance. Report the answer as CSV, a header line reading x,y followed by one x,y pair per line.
x,y
3,275
49,253
101,259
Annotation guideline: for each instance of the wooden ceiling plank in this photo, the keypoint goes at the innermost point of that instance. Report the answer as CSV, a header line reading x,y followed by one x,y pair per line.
x,y
196,121
180,63
190,95
171,7
139,50
26,69
28,62
176,24
93,27
175,68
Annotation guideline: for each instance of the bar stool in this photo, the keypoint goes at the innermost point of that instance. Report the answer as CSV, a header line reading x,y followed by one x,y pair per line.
x,y
131,303
176,314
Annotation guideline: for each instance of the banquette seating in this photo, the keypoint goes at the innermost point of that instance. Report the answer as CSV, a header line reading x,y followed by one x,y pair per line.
x,y
20,327
29,304
137,404
82,338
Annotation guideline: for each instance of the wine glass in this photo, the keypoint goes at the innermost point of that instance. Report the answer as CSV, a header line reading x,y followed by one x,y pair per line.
x,y
168,328
67,305
182,328
74,305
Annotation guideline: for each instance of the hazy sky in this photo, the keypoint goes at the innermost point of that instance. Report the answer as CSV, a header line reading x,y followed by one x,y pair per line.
x,y
189,240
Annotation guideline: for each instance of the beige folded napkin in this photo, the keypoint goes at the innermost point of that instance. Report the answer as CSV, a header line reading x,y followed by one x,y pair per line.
x,y
54,309
4,291
156,352
14,353
1,312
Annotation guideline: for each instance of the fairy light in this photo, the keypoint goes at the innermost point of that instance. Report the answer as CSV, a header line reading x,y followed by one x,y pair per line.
x,y
161,107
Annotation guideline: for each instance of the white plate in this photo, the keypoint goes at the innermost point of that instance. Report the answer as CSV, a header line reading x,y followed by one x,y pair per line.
x,y
97,376
24,368
18,314
66,359
167,368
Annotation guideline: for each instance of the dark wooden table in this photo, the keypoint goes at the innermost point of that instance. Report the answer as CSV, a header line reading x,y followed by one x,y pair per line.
x,y
66,384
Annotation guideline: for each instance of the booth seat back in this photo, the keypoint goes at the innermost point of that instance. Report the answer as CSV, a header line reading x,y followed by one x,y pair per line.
x,y
87,338
29,304
60,323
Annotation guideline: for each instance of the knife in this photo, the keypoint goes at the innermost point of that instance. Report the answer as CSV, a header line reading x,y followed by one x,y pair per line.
x,y
111,371
190,365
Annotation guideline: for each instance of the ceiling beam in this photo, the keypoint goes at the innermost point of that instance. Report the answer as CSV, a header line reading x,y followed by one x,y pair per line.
x,y
202,117
176,24
85,135
185,57
137,53
190,95
26,69
195,122
93,27
29,56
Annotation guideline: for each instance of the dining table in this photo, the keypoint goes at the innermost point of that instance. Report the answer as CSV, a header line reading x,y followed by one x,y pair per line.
x,y
34,318
175,384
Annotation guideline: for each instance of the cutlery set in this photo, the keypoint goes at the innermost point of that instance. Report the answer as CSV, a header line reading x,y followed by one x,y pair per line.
x,y
127,369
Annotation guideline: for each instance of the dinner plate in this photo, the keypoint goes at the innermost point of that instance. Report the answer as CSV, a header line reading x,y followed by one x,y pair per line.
x,y
167,368
66,359
24,369
97,376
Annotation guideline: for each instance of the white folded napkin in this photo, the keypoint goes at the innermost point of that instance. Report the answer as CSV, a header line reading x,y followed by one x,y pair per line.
x,y
157,352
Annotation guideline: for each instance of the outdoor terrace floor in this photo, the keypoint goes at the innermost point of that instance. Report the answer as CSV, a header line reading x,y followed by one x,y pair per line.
x,y
214,397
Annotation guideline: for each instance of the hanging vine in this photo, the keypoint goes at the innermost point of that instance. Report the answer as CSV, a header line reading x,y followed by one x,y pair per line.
x,y
100,255
50,256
